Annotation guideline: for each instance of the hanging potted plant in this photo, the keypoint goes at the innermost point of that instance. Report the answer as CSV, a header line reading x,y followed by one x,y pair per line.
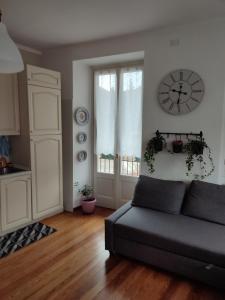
x,y
196,146
177,146
154,146
199,151
158,142
88,202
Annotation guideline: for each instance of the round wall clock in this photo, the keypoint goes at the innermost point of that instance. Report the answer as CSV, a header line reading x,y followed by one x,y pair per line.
x,y
81,116
180,92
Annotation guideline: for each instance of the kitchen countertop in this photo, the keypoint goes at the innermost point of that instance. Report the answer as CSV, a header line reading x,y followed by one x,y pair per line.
x,y
15,170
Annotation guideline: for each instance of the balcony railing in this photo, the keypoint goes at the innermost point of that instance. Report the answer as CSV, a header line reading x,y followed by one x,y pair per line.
x,y
105,164
129,165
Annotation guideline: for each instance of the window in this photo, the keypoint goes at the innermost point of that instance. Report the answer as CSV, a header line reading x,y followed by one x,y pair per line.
x,y
105,119
118,116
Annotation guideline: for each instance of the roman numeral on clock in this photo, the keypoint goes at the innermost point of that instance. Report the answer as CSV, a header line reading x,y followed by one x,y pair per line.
x,y
197,91
194,99
173,79
171,106
188,107
197,81
166,84
166,100
181,76
189,77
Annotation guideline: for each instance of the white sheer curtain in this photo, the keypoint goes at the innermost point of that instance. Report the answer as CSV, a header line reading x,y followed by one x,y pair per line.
x,y
130,111
105,111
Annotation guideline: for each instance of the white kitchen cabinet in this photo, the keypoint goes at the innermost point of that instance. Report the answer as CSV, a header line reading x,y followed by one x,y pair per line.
x,y
43,77
9,105
46,166
39,147
44,110
15,201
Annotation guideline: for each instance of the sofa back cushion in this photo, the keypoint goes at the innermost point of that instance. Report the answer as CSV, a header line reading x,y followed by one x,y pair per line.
x,y
162,195
205,201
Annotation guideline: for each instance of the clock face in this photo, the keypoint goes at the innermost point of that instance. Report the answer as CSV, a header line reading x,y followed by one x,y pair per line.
x,y
180,92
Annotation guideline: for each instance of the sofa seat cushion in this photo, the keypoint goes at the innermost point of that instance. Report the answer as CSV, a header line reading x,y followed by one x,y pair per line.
x,y
205,201
158,194
179,234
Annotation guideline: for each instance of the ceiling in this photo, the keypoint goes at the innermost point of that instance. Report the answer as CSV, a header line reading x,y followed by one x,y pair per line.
x,y
49,23
112,59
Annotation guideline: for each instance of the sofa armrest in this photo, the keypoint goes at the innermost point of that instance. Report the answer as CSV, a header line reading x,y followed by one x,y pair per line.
x,y
109,225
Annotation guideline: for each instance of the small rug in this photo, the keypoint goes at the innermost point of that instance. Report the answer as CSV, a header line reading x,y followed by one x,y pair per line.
x,y
20,238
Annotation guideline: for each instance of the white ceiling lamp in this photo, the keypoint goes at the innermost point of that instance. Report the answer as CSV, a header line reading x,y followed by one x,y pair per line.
x,y
10,57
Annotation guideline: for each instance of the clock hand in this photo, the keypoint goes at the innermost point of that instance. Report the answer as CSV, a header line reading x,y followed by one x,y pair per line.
x,y
183,93
181,86
179,92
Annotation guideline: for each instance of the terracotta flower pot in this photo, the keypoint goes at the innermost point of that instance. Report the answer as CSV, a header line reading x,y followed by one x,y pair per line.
x,y
177,146
88,205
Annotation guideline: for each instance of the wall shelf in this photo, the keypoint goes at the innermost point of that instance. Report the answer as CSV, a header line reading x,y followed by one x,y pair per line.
x,y
187,134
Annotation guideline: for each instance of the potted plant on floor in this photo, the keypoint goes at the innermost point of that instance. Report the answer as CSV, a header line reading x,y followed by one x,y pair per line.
x,y
88,202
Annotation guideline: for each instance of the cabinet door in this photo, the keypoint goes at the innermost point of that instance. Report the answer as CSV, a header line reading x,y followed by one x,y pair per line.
x,y
9,105
46,165
43,77
15,201
44,110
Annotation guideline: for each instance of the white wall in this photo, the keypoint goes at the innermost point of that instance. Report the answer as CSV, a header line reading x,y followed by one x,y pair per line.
x,y
83,96
201,48
31,58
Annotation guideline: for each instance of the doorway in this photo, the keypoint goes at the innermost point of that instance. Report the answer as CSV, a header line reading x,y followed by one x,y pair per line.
x,y
118,94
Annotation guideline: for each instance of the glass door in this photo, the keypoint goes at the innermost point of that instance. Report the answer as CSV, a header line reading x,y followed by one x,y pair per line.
x,y
118,127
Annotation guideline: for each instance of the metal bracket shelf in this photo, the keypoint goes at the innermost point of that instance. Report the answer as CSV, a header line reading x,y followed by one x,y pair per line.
x,y
200,134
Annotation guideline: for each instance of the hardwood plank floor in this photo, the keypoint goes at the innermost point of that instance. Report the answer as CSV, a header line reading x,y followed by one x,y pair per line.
x,y
72,264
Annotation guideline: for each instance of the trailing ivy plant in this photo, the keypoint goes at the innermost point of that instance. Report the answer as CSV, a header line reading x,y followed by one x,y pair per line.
x,y
197,151
154,146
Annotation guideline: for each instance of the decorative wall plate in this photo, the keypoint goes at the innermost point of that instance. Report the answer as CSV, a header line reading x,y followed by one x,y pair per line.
x,y
81,137
82,156
81,116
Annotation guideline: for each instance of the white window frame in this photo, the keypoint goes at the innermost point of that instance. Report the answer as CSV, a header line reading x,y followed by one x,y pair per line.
x,y
117,159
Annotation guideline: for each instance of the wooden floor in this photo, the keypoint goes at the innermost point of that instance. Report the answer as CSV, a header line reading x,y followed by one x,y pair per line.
x,y
72,264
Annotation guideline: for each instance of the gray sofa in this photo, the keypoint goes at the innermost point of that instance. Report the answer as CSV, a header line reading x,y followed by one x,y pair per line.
x,y
174,229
